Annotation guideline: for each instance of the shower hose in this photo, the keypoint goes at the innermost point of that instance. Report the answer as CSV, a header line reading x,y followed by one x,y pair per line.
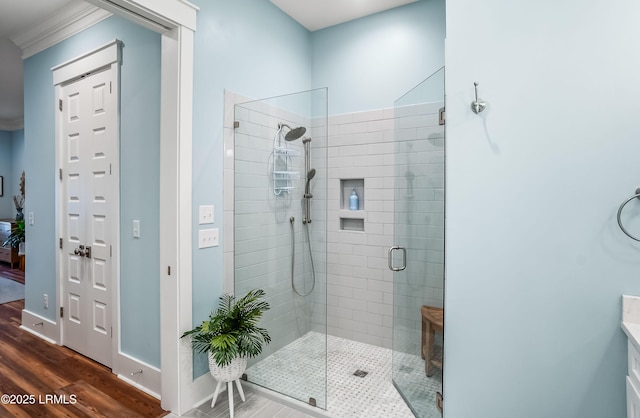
x,y
293,259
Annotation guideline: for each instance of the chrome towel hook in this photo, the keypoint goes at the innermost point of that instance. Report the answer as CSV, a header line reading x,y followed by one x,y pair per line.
x,y
478,105
637,195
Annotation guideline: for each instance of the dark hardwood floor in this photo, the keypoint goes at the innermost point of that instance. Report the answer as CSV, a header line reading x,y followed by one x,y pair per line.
x,y
54,381
9,273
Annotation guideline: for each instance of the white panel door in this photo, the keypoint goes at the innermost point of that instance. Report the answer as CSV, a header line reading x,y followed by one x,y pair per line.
x,y
89,135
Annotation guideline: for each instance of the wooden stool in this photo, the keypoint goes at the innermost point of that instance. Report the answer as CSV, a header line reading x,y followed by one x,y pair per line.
x,y
432,322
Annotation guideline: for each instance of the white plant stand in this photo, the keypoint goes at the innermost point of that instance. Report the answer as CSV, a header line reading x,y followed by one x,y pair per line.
x,y
227,374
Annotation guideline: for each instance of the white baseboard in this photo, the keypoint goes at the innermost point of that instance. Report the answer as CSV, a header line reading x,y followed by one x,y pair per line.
x,y
126,367
143,376
201,390
40,327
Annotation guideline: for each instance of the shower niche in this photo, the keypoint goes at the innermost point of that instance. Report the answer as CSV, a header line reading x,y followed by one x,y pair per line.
x,y
352,214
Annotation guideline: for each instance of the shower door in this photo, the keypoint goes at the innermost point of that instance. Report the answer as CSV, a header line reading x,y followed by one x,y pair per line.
x,y
417,257
280,236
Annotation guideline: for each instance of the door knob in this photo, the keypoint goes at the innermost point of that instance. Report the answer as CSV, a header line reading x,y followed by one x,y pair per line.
x,y
83,251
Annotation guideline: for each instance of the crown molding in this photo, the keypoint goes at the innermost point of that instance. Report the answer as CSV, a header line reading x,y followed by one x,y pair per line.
x,y
63,24
11,124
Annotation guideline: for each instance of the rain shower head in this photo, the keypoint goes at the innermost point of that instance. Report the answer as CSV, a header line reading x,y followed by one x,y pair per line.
x,y
294,133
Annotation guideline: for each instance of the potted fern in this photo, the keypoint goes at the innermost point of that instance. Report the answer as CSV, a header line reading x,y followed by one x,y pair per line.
x,y
17,235
231,334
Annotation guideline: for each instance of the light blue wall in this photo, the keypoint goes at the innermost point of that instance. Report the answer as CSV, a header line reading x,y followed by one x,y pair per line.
x,y
370,62
536,263
7,209
17,160
252,48
140,120
11,166
140,194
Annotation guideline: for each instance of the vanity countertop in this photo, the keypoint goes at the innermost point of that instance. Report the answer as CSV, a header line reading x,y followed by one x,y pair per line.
x,y
631,319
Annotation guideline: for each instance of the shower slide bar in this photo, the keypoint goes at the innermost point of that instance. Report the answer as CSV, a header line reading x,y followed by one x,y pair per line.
x,y
635,196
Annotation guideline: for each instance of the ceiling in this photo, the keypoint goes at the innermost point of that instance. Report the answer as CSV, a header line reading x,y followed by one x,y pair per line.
x,y
19,16
320,14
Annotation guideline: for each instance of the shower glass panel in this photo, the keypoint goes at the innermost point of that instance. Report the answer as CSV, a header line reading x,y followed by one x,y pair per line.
x,y
280,236
418,289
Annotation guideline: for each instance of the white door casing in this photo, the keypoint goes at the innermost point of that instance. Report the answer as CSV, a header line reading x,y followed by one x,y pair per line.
x,y
87,127
177,23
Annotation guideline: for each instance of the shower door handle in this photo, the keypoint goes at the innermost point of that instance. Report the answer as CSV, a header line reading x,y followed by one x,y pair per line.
x,y
390,258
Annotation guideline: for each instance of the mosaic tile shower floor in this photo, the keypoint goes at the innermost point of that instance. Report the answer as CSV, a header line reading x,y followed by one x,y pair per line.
x,y
298,370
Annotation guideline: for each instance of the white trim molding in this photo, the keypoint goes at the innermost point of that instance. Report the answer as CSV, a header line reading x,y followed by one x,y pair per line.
x,y
176,21
39,326
100,57
157,15
179,391
139,374
68,21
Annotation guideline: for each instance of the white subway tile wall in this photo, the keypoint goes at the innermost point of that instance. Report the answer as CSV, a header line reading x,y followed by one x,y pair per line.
x,y
382,147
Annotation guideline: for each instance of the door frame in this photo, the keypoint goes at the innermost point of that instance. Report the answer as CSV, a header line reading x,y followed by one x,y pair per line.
x,y
105,57
175,21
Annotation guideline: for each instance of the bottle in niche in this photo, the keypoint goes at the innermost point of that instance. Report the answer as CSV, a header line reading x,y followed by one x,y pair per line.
x,y
353,200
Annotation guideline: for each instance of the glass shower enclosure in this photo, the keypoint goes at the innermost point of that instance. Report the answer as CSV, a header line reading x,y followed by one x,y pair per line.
x,y
417,257
280,236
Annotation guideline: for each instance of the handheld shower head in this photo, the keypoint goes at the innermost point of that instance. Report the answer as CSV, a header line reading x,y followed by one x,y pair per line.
x,y
307,189
294,133
311,174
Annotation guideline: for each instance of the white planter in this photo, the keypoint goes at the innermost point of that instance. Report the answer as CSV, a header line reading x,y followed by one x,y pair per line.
x,y
230,372
227,374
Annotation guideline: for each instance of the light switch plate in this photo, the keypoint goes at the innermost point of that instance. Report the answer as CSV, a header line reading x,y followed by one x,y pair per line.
x,y
208,238
136,228
206,214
